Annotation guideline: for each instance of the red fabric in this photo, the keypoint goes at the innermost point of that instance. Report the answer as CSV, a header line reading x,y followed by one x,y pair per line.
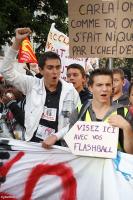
x,y
26,54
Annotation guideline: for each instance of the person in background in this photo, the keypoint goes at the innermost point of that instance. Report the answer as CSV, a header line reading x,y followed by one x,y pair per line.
x,y
118,82
49,100
130,93
14,102
76,75
126,85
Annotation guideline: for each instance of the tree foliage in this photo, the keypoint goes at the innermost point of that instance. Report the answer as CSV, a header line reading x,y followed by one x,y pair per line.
x,y
117,63
38,15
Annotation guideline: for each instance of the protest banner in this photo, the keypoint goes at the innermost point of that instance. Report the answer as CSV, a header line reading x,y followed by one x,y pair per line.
x,y
32,173
100,28
58,42
96,139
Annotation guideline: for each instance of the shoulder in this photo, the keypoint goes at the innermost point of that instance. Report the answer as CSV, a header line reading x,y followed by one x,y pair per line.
x,y
66,84
37,82
124,99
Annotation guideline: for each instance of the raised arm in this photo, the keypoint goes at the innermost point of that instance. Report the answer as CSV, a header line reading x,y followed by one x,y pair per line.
x,y
7,69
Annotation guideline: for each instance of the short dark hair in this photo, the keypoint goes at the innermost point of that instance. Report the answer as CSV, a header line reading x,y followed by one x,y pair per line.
x,y
118,71
100,71
77,66
130,88
47,56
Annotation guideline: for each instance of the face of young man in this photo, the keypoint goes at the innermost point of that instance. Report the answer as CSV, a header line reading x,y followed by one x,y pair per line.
x,y
118,83
75,77
102,88
51,73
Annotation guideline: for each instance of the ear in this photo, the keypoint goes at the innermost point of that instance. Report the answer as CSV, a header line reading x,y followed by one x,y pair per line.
x,y
41,71
91,88
124,82
84,82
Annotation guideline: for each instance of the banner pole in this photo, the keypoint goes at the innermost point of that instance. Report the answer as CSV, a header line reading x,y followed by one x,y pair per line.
x,y
110,63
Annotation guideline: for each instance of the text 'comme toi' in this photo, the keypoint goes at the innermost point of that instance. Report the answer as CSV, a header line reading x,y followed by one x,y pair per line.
x,y
99,23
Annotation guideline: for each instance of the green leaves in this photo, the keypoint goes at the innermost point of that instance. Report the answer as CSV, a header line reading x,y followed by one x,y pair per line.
x,y
36,14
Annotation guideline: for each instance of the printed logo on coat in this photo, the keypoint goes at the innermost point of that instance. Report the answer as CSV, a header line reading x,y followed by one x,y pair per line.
x,y
43,132
49,114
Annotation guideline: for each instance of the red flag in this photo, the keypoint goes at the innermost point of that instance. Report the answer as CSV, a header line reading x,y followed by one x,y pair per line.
x,y
26,54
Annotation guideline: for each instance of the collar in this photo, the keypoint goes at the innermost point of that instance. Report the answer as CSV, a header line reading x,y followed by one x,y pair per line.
x,y
57,91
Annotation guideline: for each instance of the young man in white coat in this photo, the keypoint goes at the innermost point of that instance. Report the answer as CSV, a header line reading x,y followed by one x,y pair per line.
x,y
49,101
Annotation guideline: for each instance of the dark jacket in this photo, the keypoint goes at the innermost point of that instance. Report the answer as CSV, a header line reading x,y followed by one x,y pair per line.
x,y
123,100
18,113
85,94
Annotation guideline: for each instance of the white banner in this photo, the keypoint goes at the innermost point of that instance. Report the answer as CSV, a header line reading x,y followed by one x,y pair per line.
x,y
59,43
33,173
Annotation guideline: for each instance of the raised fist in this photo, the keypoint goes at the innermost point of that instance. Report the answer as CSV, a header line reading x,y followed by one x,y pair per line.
x,y
22,33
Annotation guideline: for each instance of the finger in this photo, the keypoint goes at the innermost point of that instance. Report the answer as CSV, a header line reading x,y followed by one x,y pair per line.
x,y
44,145
23,32
47,146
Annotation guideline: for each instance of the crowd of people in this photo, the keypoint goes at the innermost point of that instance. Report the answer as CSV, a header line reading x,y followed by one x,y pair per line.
x,y
43,108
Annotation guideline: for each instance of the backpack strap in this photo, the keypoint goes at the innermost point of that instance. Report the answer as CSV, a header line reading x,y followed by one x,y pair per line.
x,y
83,109
120,111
